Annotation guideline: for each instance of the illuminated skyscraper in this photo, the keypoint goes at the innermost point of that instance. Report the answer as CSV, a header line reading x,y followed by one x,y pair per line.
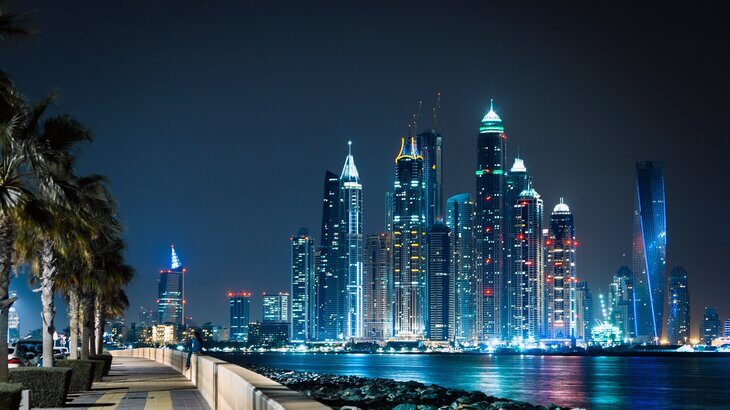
x,y
440,314
409,234
678,320
304,288
276,307
170,292
621,301
529,266
332,266
516,181
583,311
710,328
466,286
352,199
650,251
377,276
239,304
490,186
430,144
560,273
13,321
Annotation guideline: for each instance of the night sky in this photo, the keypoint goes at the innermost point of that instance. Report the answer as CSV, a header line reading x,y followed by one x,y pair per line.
x,y
216,122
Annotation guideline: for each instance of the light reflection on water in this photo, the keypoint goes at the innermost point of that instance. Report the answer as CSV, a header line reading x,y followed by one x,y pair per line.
x,y
593,382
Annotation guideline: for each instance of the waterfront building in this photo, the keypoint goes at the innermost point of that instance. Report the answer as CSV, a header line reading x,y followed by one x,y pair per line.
x,y
165,334
268,334
678,314
440,314
276,307
529,267
352,195
560,276
303,288
170,304
378,315
466,286
710,328
649,251
239,304
210,332
332,266
726,328
13,322
430,143
583,311
409,234
621,302
490,186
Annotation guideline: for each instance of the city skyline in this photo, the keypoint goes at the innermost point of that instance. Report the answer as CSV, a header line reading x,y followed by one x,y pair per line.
x,y
553,112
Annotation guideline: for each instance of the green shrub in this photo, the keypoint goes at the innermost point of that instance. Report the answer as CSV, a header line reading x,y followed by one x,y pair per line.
x,y
82,373
10,395
48,385
107,359
98,369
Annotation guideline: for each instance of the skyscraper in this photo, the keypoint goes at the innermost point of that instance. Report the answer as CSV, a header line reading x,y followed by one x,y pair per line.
x,y
516,181
239,304
430,143
528,320
710,328
276,307
560,273
352,199
466,287
583,311
409,234
332,266
440,314
170,292
303,288
378,315
490,184
13,321
678,320
650,250
621,301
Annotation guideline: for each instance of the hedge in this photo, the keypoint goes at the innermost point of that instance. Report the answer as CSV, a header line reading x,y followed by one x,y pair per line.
x,y
107,359
48,385
10,395
82,375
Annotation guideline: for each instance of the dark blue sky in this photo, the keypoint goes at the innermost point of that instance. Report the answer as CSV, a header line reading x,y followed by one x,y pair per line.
x,y
216,121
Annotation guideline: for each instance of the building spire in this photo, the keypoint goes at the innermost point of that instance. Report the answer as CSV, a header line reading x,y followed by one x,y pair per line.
x,y
349,171
174,260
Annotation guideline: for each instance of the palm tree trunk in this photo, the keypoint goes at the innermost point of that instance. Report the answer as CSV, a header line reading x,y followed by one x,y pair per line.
x,y
6,253
99,324
48,312
73,323
87,312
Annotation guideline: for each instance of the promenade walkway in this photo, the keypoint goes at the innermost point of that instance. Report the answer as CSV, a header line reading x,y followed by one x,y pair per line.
x,y
139,383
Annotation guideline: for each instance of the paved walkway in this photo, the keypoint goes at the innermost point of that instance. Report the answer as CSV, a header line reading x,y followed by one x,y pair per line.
x,y
138,383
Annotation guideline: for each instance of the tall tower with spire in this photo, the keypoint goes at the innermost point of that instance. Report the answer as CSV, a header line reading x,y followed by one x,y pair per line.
x,y
560,279
409,236
170,292
352,195
489,226
516,182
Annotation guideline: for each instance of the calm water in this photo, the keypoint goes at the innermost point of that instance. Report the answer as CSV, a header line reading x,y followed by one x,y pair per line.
x,y
593,382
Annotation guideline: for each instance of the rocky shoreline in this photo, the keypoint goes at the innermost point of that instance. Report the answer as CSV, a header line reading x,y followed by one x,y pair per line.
x,y
386,394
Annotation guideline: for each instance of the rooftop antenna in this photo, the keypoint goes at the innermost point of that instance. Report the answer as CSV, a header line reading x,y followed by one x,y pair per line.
x,y
518,151
436,111
416,116
349,148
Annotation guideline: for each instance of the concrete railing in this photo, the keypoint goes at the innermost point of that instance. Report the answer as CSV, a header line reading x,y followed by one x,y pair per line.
x,y
228,386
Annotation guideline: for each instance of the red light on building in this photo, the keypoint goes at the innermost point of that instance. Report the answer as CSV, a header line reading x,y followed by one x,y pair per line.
x,y
528,263
230,294
547,242
487,260
487,292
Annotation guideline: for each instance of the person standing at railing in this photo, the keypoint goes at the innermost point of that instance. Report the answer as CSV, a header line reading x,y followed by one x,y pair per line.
x,y
195,345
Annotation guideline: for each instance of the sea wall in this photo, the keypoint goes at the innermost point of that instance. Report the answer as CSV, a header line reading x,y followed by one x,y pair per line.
x,y
228,386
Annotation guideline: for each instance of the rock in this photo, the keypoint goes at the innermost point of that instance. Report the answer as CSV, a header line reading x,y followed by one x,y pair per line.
x,y
406,406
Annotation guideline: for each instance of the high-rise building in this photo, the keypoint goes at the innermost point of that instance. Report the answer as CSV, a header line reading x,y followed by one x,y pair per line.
x,y
352,195
726,328
239,304
276,307
332,266
378,316
678,319
560,277
516,181
490,187
13,322
303,288
440,314
528,319
466,286
621,302
649,251
710,328
268,334
430,143
170,292
583,311
409,234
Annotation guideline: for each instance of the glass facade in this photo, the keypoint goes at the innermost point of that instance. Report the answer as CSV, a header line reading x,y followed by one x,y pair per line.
x,y
170,292
303,288
710,329
430,143
466,287
378,301
276,307
352,200
583,311
439,320
621,302
239,307
560,273
678,316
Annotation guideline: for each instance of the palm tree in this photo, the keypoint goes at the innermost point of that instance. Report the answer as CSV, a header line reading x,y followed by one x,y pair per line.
x,y
12,26
110,299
